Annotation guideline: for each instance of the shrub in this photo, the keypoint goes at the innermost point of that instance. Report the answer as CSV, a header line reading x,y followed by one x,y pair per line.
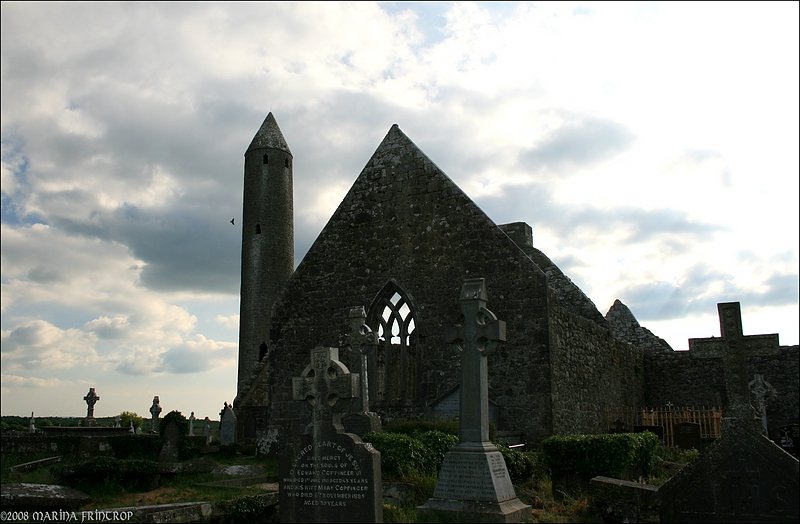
x,y
520,465
401,454
418,454
588,456
253,508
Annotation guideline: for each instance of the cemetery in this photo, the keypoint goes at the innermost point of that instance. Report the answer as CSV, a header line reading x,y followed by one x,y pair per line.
x,y
461,377
164,469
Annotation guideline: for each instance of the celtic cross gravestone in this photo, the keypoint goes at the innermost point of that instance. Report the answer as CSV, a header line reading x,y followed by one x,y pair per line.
x,y
327,475
91,399
474,484
155,411
362,340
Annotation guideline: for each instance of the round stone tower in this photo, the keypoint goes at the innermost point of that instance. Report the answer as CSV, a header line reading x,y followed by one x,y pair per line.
x,y
267,241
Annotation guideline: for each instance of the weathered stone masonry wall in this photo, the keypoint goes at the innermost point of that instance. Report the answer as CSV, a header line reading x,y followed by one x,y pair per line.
x,y
679,378
592,372
405,220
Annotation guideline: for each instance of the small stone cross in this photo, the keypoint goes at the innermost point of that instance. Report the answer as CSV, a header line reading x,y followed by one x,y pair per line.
x,y
155,410
476,339
733,347
324,383
91,399
362,340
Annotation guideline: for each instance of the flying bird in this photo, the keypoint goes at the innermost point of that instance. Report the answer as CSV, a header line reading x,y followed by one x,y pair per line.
x,y
232,221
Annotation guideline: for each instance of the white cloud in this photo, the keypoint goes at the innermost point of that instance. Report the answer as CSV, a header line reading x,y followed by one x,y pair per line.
x,y
37,344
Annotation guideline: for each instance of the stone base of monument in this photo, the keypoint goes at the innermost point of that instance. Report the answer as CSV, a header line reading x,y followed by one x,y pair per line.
x,y
474,486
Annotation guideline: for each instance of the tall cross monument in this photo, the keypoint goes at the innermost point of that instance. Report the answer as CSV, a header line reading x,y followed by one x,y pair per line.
x,y
474,484
733,347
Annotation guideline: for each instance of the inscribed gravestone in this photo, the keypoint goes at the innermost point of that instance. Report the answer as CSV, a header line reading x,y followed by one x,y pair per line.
x,y
687,435
362,340
227,426
327,475
743,476
474,484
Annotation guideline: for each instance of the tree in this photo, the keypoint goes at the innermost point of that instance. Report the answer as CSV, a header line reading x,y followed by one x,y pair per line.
x,y
126,417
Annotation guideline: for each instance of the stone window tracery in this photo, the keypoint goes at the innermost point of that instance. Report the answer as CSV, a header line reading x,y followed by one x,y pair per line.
x,y
395,361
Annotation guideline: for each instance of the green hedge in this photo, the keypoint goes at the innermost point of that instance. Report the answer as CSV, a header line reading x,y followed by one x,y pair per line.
x,y
610,455
520,464
419,453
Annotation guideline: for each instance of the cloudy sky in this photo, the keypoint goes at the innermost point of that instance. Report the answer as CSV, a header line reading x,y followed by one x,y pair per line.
x,y
651,146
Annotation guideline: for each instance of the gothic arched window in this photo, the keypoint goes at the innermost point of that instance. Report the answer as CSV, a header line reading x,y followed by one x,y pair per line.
x,y
395,362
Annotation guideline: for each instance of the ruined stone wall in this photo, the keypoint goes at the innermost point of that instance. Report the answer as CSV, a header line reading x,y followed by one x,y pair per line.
x,y
679,378
592,372
405,221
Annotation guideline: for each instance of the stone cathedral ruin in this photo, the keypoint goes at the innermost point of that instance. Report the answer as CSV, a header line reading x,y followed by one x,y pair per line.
x,y
400,245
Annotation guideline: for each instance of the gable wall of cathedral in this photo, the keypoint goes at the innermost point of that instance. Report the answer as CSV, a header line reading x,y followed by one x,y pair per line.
x,y
405,221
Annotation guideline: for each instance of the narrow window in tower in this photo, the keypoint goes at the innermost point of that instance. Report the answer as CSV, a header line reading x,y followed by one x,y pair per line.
x,y
266,159
258,229
262,351
286,162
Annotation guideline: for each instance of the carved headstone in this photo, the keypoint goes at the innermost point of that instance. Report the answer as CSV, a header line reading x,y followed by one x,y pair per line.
x,y
207,430
91,399
227,426
327,475
474,484
169,449
155,411
687,435
743,476
362,340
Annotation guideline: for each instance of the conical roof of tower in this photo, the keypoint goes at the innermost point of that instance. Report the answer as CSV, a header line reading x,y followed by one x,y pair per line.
x,y
269,136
